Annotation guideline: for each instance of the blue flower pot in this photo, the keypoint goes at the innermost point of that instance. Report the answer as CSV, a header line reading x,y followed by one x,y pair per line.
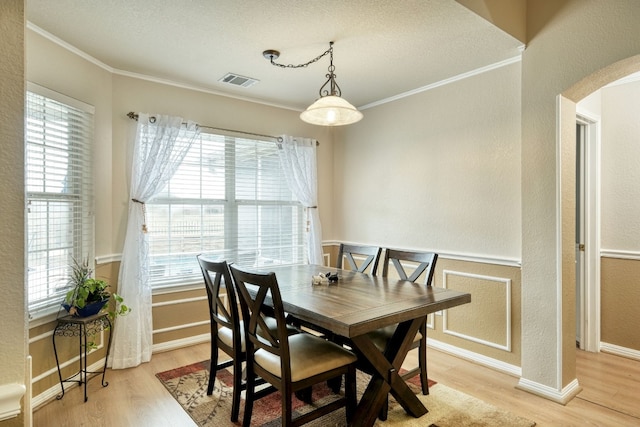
x,y
89,309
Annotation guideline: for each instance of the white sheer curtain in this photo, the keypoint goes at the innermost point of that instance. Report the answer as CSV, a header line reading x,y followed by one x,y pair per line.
x,y
298,159
159,147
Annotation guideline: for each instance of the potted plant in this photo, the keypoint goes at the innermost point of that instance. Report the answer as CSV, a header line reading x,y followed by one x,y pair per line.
x,y
88,296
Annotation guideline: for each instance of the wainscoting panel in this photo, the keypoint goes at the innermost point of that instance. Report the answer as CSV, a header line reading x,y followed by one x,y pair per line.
x,y
487,320
178,315
619,298
327,259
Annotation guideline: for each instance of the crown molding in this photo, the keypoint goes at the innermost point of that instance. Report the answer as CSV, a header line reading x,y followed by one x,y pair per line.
x,y
31,26
167,82
444,82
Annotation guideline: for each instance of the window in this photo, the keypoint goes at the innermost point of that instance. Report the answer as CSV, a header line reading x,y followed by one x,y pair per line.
x,y
229,200
59,226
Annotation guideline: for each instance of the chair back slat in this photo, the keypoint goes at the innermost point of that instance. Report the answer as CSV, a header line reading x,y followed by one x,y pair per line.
x,y
372,257
265,335
426,260
217,276
260,298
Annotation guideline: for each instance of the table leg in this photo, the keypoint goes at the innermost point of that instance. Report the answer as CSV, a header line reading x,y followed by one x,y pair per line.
x,y
387,377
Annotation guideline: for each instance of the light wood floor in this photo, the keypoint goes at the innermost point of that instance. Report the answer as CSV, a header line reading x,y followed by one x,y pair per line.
x,y
134,397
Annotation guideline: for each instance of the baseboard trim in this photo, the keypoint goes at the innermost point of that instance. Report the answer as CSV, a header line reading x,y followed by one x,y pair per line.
x,y
52,392
620,351
480,359
563,396
184,342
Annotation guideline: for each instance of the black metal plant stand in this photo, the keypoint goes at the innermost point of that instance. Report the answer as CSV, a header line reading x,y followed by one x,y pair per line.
x,y
70,326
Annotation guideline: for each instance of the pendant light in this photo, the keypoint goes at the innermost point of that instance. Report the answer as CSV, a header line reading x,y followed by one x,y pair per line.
x,y
330,109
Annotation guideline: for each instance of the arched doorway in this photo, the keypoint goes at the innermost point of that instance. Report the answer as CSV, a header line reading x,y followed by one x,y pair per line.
x,y
566,133
549,220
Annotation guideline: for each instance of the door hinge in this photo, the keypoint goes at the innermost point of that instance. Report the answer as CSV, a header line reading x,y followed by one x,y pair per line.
x,y
581,247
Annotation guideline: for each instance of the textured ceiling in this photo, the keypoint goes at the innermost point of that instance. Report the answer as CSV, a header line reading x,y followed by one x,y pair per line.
x,y
382,48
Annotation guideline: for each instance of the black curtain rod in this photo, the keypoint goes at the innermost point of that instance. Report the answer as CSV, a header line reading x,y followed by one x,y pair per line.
x,y
134,116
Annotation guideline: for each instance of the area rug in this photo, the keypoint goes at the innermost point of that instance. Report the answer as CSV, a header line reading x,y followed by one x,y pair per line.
x,y
447,407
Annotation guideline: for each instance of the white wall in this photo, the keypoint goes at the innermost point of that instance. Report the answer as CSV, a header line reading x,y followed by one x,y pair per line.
x,y
621,168
439,170
618,108
13,342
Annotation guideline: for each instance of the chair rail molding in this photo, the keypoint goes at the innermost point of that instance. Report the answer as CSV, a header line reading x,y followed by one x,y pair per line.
x,y
458,256
620,254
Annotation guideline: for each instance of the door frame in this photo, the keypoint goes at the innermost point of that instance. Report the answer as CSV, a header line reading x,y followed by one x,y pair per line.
x,y
589,298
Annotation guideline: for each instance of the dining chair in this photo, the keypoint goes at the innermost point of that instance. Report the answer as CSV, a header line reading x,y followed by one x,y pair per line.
x,y
227,329
426,262
289,363
372,257
421,263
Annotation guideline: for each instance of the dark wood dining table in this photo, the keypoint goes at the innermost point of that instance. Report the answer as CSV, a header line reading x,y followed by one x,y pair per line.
x,y
359,303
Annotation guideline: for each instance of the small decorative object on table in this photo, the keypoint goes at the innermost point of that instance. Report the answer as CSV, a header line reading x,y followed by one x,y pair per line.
x,y
324,278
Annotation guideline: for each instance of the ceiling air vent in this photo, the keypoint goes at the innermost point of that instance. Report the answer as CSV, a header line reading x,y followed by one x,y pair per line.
x,y
236,80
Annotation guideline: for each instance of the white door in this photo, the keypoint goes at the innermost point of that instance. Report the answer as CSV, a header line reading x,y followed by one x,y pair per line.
x,y
580,243
587,232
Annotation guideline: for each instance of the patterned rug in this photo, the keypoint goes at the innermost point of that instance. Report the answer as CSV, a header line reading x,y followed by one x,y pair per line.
x,y
447,407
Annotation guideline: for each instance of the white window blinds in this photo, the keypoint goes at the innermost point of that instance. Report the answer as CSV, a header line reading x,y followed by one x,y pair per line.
x,y
59,185
228,200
